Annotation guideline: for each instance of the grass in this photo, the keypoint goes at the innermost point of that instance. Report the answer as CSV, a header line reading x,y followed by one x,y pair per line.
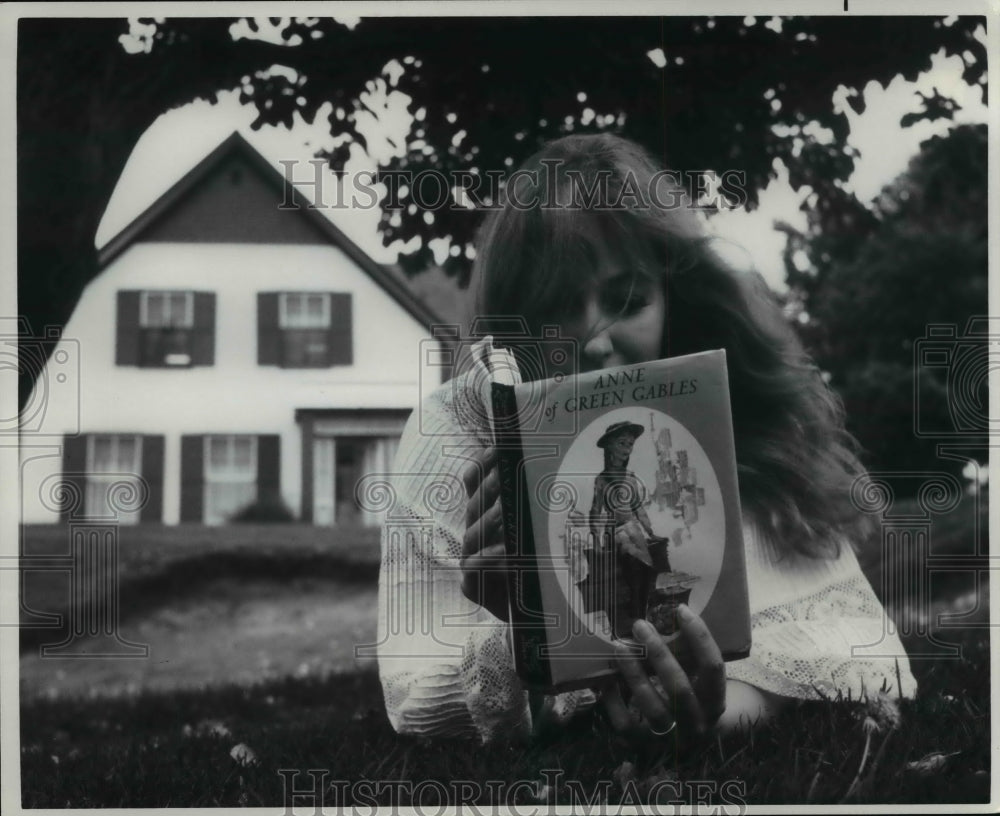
x,y
159,565
160,749
150,752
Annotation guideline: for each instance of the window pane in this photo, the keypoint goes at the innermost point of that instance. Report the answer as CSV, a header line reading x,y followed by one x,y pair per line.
x,y
292,310
242,455
155,309
225,499
176,341
104,459
230,477
178,309
98,504
305,348
165,346
126,454
319,315
231,458
218,453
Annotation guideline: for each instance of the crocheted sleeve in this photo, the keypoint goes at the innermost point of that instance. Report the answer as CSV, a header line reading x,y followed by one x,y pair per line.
x,y
444,661
818,629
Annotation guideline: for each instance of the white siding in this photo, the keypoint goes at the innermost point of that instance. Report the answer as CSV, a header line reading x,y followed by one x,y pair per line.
x,y
235,395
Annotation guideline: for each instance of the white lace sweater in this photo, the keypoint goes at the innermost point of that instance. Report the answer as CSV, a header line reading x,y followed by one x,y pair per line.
x,y
445,663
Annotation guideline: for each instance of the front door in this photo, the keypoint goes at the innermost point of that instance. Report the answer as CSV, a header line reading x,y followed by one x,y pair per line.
x,y
339,465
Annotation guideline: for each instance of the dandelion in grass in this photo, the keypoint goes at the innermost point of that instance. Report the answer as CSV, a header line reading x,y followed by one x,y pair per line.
x,y
879,713
884,710
243,754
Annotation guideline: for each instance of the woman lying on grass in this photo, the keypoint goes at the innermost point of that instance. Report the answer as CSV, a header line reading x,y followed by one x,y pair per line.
x,y
631,283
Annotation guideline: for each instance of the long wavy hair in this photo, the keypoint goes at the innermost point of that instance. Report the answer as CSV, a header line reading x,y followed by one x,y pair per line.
x,y
795,461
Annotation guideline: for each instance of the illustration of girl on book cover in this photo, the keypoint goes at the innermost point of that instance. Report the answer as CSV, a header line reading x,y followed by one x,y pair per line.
x,y
628,573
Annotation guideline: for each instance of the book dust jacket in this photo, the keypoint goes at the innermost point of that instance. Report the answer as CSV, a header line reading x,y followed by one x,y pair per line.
x,y
620,500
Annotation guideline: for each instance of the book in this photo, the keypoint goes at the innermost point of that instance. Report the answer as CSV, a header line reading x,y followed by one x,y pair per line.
x,y
619,499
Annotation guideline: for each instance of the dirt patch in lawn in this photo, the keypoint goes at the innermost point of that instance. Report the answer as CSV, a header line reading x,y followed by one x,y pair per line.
x,y
243,632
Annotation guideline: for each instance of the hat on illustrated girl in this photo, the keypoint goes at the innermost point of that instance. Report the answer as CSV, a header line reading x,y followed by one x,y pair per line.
x,y
617,429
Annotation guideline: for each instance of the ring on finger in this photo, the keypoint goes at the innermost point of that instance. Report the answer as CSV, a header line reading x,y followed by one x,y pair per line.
x,y
669,729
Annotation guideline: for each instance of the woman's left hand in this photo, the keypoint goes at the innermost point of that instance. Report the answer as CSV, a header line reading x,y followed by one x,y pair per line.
x,y
691,701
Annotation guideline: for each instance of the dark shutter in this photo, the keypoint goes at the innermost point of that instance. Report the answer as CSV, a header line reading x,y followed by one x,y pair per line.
x,y
152,473
341,331
268,468
192,479
127,329
203,337
268,334
74,469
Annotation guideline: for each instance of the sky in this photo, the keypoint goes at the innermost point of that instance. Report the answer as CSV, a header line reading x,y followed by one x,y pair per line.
x,y
180,138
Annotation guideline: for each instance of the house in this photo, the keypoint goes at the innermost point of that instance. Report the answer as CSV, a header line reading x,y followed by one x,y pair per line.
x,y
233,349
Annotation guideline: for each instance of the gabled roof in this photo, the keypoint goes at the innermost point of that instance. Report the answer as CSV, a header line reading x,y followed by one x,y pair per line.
x,y
235,144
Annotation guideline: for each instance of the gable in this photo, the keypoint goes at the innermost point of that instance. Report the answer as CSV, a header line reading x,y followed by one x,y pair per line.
x,y
233,203
234,196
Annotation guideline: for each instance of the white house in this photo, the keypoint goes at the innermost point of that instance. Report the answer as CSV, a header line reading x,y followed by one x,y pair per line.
x,y
231,350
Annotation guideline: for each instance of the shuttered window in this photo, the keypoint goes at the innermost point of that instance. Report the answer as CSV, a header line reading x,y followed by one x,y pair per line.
x,y
89,462
223,473
230,476
304,329
165,328
114,462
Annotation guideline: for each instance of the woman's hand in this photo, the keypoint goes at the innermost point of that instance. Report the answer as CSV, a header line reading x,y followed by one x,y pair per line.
x,y
484,553
690,701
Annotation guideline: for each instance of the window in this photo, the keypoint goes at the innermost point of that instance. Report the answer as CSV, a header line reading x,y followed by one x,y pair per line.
x,y
162,310
221,474
304,329
162,328
166,320
302,310
304,320
114,463
230,476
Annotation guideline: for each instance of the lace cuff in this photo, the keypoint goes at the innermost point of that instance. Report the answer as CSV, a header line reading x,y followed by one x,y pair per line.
x,y
836,641
427,702
493,692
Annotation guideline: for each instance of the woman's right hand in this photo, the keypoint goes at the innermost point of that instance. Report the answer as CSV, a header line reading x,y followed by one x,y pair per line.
x,y
484,553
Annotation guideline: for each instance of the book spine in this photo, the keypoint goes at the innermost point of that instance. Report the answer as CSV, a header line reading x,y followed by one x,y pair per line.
x,y
524,587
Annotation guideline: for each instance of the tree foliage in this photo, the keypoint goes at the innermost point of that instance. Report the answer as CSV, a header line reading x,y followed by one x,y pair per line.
x,y
878,278
719,94
83,102
729,93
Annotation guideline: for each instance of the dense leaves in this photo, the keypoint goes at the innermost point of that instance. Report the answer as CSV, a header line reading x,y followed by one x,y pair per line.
x,y
881,282
701,93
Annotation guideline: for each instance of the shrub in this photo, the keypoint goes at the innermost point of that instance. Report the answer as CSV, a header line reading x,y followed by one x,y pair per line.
x,y
269,510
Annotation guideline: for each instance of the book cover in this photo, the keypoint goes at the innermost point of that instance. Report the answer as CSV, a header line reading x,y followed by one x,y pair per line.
x,y
620,500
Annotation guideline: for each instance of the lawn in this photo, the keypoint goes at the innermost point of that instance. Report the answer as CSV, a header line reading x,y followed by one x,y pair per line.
x,y
241,615
161,567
